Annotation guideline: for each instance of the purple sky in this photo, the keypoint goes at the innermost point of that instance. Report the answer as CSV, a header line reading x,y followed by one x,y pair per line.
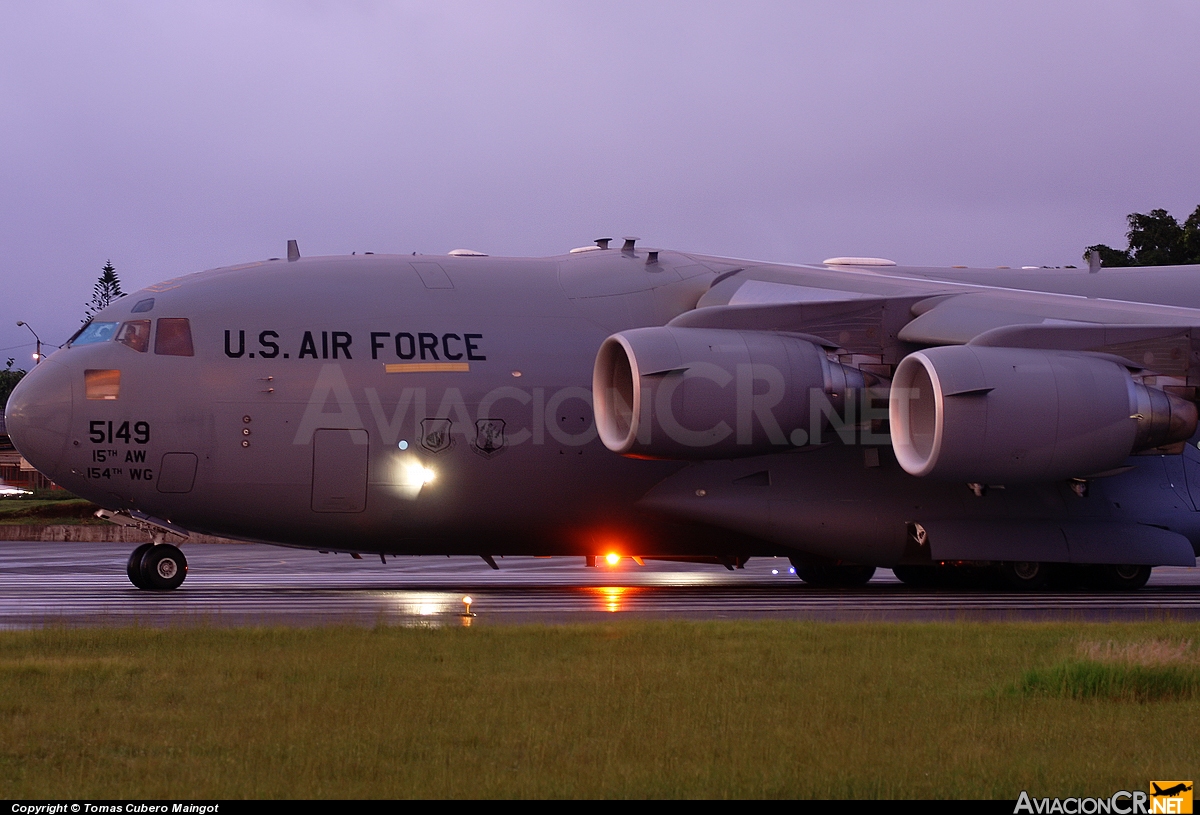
x,y
174,137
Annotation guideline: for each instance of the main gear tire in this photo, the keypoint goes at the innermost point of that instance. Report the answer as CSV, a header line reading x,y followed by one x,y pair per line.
x,y
828,575
1122,577
919,577
133,569
1025,575
163,567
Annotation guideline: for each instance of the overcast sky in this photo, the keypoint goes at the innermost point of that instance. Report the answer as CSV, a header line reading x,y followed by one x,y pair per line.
x,y
174,137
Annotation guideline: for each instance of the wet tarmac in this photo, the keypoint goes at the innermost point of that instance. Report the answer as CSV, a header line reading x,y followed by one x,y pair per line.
x,y
84,584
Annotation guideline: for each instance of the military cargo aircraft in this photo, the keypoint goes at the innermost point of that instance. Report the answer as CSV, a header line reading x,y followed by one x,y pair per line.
x,y
642,403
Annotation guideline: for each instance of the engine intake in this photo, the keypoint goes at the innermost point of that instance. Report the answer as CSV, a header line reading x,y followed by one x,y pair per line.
x,y
692,393
1016,414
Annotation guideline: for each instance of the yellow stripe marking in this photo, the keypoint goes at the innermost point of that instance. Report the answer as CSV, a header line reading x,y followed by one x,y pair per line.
x,y
426,367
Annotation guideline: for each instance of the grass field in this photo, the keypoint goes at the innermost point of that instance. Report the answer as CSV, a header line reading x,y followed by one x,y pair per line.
x,y
754,709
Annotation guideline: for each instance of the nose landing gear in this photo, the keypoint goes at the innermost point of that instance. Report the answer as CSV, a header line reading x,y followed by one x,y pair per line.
x,y
156,567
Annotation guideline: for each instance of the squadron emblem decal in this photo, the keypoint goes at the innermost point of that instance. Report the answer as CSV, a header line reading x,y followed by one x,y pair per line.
x,y
435,435
489,437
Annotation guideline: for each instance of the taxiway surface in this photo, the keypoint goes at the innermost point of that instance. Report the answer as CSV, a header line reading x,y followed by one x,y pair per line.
x,y
83,584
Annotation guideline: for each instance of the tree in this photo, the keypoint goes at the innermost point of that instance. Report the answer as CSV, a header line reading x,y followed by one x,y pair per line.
x,y
107,289
1191,235
1155,239
8,380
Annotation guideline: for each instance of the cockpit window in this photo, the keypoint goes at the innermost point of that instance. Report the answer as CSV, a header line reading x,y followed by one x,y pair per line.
x,y
95,332
135,334
174,337
143,305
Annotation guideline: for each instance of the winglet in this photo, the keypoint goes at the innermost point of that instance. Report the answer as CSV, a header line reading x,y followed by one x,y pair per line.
x,y
293,250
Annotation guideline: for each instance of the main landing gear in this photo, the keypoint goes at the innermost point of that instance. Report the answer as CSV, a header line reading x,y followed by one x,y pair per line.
x,y
156,567
1122,578
1024,575
842,575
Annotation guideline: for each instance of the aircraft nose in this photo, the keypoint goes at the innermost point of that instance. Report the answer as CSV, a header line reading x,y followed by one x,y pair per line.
x,y
38,415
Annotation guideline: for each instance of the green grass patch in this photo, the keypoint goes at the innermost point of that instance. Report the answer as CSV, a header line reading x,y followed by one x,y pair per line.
x,y
682,709
1091,680
45,511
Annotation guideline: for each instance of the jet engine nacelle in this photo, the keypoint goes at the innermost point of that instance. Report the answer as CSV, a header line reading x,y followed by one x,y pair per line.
x,y
997,415
694,393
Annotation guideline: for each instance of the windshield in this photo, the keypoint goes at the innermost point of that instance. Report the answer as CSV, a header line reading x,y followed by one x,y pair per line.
x,y
95,332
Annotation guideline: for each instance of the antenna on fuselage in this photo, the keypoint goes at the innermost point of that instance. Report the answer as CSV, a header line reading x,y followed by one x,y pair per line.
x,y
293,251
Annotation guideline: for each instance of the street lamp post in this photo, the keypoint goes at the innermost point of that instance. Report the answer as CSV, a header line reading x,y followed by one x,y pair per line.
x,y
37,358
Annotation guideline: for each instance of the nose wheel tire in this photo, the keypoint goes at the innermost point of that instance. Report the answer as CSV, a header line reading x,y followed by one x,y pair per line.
x,y
134,567
163,568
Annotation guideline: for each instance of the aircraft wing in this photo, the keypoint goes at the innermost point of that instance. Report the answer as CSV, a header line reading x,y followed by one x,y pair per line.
x,y
887,317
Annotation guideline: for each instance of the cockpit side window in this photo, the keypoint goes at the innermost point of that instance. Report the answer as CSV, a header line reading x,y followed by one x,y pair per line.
x,y
174,337
135,334
94,332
